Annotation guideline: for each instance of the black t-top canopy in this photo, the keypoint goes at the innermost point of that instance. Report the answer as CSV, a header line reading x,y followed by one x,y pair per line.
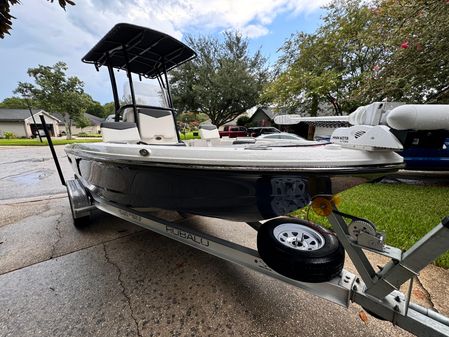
x,y
140,50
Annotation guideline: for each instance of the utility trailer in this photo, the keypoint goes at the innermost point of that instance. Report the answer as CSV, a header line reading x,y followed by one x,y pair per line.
x,y
377,292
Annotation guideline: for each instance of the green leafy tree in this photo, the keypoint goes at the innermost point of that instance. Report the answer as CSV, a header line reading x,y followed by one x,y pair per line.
x,y
95,108
365,52
14,103
6,17
326,66
243,120
108,109
223,81
415,34
54,91
81,121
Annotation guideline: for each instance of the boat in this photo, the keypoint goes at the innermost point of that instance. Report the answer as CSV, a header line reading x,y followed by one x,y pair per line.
x,y
142,164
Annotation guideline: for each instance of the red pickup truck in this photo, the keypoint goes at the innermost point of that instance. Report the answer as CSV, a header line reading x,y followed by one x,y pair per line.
x,y
233,131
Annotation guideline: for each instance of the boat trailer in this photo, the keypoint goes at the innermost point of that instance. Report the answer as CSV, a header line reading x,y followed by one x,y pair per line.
x,y
377,292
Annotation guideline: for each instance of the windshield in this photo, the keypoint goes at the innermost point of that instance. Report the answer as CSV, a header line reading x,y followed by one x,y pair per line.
x,y
147,93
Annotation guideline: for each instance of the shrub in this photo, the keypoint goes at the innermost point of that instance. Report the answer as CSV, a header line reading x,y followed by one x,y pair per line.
x,y
9,135
84,134
243,120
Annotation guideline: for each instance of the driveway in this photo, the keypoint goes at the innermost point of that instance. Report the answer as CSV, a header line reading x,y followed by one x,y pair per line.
x,y
116,279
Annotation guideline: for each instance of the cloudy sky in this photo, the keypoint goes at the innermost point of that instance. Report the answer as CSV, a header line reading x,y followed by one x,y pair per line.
x,y
44,34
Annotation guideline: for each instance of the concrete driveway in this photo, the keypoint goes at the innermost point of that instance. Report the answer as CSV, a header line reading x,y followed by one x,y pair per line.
x,y
115,279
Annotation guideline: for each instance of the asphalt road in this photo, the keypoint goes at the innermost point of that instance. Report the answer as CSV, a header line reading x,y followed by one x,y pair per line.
x,y
115,279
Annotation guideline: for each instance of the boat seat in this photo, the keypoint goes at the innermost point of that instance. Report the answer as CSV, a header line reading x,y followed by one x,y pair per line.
x,y
120,132
209,131
156,126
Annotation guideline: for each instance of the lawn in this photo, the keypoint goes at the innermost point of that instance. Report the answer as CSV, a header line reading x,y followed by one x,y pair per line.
x,y
36,142
404,212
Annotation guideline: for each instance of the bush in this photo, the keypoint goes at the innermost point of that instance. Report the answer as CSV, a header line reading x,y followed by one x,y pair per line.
x,y
243,120
9,135
84,134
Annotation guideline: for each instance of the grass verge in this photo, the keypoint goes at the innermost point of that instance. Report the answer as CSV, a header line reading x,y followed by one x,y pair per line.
x,y
404,212
36,142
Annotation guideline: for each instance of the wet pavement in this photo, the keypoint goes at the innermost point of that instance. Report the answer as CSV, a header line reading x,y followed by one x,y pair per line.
x,y
116,279
30,171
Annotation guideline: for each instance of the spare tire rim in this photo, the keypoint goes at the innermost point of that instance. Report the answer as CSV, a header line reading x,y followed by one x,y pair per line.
x,y
298,237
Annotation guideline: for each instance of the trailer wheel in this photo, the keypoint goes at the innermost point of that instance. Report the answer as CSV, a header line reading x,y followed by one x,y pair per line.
x,y
78,199
80,222
300,250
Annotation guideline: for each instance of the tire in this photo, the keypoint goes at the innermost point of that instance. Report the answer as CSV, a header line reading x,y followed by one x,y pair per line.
x,y
319,257
82,222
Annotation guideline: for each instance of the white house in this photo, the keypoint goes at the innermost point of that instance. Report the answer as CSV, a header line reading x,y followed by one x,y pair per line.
x,y
21,124
93,127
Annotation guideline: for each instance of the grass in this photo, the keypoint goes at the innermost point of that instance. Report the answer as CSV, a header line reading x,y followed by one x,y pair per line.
x,y
404,212
36,142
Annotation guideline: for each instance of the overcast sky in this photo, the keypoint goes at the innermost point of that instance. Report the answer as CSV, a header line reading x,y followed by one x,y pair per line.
x,y
44,34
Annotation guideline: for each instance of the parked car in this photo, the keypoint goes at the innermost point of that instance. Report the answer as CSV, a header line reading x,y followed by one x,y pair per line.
x,y
233,131
257,131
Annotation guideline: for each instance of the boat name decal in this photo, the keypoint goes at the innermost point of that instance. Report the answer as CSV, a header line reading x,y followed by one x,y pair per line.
x,y
185,235
343,139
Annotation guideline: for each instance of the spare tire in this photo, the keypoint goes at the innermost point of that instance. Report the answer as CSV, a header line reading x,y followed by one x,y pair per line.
x,y
300,250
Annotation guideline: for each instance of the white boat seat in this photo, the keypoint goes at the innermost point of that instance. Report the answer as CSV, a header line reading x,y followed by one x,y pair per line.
x,y
209,131
128,115
120,132
156,126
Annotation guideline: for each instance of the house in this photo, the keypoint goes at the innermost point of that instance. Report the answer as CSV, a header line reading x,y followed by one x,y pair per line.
x,y
263,116
21,124
320,127
93,127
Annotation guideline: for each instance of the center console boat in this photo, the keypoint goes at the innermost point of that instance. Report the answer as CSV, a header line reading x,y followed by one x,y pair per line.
x,y
143,164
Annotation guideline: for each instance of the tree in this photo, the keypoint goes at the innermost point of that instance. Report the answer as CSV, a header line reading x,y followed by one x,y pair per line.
x,y
327,66
6,17
223,81
95,108
14,103
55,92
243,120
415,34
364,52
108,109
81,121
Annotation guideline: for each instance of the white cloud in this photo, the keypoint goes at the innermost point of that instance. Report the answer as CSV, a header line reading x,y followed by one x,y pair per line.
x,y
44,34
252,31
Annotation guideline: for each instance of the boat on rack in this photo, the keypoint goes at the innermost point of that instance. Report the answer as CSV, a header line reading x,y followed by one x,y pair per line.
x,y
143,164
